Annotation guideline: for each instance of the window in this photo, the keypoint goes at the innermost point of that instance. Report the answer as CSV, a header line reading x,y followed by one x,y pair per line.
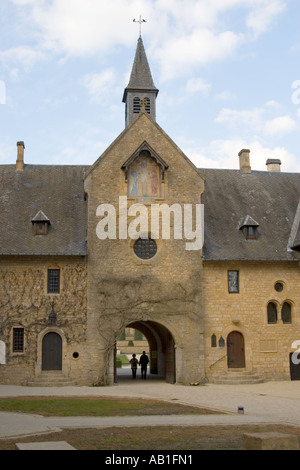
x,y
233,282
18,340
278,286
272,313
53,281
147,105
40,223
250,232
213,341
286,313
145,248
249,228
136,105
40,228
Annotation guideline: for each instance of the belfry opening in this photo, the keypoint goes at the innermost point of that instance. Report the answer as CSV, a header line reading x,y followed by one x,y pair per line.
x,y
158,344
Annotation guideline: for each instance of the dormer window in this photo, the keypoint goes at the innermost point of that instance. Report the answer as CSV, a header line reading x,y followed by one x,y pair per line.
x,y
249,228
40,223
250,232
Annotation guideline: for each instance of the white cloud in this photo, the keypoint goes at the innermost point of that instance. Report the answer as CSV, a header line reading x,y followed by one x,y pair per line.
x,y
180,55
225,96
272,104
263,15
224,154
23,55
99,84
183,34
280,125
252,117
86,27
256,121
197,84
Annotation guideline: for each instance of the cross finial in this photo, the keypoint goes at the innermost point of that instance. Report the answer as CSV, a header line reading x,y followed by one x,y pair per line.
x,y
140,22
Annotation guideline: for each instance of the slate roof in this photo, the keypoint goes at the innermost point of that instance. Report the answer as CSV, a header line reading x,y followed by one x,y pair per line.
x,y
56,191
294,241
269,198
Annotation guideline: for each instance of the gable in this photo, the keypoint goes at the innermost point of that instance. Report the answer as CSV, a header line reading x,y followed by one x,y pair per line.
x,y
177,169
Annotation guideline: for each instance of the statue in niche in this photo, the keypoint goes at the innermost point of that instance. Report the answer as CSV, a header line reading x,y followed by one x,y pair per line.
x,y
144,178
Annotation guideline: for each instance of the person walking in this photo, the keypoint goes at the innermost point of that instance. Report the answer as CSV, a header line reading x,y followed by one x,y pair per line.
x,y
144,360
134,364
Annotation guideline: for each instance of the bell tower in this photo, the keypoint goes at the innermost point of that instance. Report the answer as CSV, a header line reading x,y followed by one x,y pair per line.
x,y
140,94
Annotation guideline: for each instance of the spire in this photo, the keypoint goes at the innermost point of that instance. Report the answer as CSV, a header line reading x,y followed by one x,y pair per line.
x,y
140,86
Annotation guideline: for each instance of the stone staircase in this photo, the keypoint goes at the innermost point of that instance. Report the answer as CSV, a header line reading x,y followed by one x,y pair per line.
x,y
51,379
239,376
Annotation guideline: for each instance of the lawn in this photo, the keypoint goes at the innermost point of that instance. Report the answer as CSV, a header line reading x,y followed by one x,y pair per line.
x,y
130,438
95,406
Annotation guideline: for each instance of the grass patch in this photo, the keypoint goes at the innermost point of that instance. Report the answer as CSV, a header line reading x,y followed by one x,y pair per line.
x,y
95,406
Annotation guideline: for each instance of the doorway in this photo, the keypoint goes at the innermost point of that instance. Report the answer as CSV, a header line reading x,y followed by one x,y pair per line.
x,y
235,350
160,350
52,352
294,366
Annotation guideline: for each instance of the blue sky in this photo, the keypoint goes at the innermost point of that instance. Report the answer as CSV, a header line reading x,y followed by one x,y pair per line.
x,y
227,70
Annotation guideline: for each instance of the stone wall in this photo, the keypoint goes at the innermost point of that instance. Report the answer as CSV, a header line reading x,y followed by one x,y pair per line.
x,y
122,288
25,303
267,346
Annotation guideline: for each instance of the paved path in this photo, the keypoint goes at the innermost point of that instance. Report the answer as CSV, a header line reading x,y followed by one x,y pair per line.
x,y
270,402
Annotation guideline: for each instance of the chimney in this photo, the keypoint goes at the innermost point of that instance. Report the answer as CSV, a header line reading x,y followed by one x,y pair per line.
x,y
20,156
245,161
273,164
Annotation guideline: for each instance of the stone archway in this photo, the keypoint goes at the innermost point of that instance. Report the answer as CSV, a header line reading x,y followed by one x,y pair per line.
x,y
161,349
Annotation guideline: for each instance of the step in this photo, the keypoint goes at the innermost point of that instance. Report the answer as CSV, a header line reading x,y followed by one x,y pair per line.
x,y
58,445
239,377
51,379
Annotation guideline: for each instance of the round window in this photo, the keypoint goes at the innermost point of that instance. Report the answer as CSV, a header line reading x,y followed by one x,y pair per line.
x,y
278,287
145,248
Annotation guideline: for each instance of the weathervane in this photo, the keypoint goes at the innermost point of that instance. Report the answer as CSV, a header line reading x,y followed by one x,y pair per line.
x,y
140,22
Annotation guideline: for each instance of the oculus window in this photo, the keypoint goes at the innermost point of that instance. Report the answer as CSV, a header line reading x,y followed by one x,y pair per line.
x,y
145,248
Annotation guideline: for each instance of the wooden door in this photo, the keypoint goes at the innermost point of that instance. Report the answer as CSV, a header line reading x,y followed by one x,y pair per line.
x,y
235,350
295,367
52,352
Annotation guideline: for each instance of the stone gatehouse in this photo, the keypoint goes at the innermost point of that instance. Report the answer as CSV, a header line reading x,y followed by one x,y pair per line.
x,y
71,280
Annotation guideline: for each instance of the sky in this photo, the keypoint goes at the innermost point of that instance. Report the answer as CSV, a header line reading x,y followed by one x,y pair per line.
x,y
227,70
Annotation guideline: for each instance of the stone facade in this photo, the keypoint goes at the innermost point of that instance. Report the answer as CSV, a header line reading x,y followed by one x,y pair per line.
x,y
123,289
229,306
267,346
25,304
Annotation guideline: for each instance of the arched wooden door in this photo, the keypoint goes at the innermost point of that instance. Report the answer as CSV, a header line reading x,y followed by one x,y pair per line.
x,y
235,350
52,352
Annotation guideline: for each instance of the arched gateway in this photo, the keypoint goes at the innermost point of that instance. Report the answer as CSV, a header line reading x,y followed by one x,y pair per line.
x,y
161,349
